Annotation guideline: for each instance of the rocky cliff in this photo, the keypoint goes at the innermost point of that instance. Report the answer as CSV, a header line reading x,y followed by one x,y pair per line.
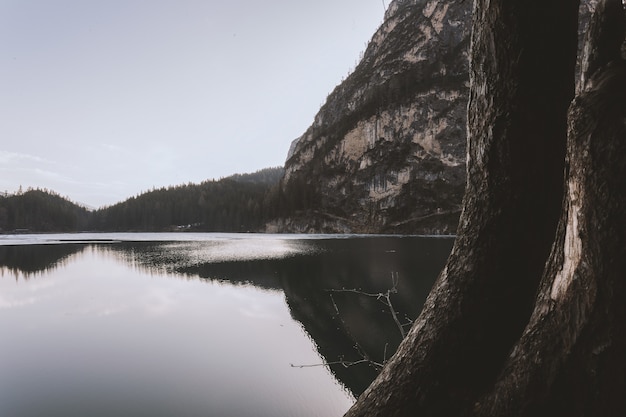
x,y
386,152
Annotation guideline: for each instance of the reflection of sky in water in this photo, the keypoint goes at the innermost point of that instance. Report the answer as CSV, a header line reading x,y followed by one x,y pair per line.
x,y
31,239
194,253
97,337
243,250
188,249
170,257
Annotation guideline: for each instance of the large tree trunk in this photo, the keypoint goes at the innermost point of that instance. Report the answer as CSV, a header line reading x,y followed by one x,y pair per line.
x,y
571,359
485,343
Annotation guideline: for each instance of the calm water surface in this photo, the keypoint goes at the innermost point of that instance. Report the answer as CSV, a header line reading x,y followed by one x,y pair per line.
x,y
201,324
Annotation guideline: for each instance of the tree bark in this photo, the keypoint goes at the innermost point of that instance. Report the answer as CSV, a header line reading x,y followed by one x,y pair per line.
x,y
476,348
603,40
571,358
521,83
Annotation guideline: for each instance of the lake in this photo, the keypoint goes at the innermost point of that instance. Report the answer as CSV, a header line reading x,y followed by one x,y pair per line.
x,y
203,324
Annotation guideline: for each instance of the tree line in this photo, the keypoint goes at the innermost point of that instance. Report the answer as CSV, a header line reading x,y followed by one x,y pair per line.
x,y
239,203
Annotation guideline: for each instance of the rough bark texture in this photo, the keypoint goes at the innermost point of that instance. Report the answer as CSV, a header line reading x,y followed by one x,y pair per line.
x,y
522,72
603,40
570,360
488,344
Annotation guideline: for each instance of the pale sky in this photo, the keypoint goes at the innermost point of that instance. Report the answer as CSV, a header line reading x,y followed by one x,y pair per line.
x,y
103,99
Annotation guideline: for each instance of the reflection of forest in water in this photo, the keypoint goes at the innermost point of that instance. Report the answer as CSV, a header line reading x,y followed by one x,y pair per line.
x,y
346,326
29,260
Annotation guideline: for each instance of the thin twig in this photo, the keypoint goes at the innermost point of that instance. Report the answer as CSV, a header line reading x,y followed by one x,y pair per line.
x,y
384,298
345,364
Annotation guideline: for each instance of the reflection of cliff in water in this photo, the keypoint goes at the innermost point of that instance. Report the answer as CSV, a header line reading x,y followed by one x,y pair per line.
x,y
352,326
32,259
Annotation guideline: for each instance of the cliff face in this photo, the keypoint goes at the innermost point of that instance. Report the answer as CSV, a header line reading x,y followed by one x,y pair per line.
x,y
386,153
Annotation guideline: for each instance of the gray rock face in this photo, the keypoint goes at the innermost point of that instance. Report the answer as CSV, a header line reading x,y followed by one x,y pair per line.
x,y
386,152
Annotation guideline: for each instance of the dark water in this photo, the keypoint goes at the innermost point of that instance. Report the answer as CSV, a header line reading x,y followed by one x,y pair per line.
x,y
203,324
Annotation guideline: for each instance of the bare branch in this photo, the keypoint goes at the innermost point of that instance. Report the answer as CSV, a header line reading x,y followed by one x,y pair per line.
x,y
385,298
345,364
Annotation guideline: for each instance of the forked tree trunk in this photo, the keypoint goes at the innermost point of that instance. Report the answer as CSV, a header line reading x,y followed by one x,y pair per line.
x,y
567,345
571,359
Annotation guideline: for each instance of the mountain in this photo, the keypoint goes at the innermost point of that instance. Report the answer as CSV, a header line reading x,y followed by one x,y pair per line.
x,y
387,151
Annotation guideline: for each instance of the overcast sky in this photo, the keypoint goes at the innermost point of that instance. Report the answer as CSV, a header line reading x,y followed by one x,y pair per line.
x,y
103,99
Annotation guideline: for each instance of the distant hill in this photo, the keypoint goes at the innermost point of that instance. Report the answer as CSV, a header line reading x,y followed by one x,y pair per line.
x,y
39,210
237,203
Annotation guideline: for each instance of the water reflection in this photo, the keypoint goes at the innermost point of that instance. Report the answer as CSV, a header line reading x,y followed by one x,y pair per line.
x,y
30,260
346,326
351,326
97,338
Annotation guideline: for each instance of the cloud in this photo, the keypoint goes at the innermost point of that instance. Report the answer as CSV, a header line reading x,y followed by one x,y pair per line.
x,y
16,157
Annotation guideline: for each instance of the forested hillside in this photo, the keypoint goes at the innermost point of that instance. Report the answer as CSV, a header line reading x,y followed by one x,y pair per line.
x,y
242,202
233,204
41,211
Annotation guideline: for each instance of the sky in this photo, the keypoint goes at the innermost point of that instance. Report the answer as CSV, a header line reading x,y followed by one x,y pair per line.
x,y
102,100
